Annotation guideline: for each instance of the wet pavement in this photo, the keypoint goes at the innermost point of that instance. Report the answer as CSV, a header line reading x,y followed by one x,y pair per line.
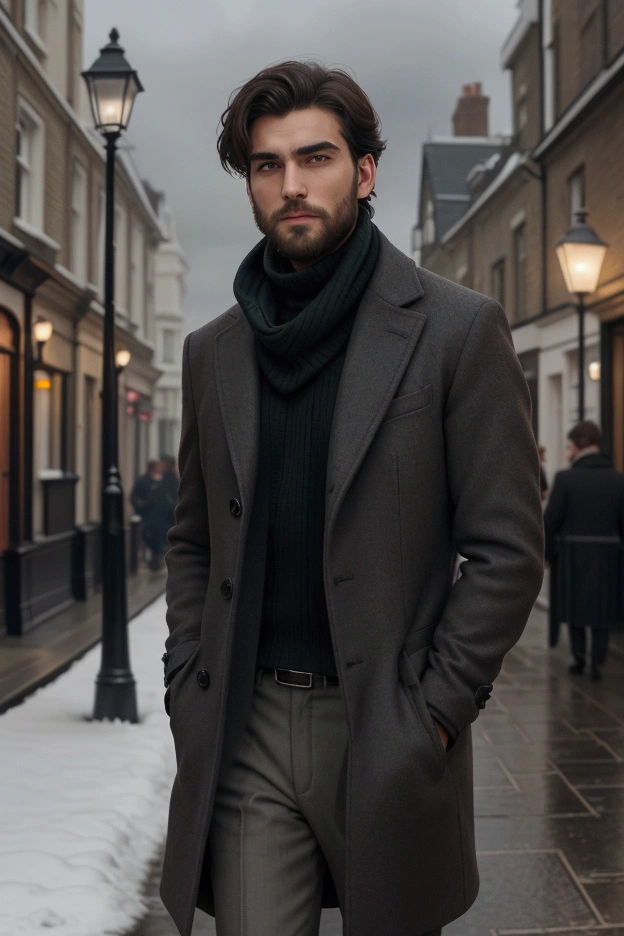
x,y
549,803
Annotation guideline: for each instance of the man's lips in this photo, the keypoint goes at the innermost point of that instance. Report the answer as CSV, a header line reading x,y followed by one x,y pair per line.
x,y
299,217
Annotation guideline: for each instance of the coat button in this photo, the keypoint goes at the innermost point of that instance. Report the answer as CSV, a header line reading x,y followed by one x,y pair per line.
x,y
236,508
227,589
203,678
482,695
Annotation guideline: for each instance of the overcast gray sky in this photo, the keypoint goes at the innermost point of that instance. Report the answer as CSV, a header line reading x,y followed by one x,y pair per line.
x,y
410,56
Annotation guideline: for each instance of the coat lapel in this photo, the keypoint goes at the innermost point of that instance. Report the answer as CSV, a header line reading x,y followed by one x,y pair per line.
x,y
238,388
384,336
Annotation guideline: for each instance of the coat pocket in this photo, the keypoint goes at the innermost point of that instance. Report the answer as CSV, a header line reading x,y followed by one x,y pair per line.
x,y
178,675
409,403
408,665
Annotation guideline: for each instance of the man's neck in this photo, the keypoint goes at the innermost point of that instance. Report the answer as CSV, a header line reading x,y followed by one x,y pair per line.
x,y
590,450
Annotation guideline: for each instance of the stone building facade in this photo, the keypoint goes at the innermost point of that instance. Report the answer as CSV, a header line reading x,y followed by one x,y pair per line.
x,y
52,188
566,59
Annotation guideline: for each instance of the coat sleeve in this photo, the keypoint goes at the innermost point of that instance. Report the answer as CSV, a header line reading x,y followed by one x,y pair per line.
x,y
188,559
554,515
493,475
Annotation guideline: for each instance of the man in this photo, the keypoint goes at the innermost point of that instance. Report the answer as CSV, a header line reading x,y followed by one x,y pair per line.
x,y
584,523
162,508
143,501
339,426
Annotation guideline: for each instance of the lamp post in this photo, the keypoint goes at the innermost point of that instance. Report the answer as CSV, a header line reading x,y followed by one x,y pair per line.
x,y
113,86
581,253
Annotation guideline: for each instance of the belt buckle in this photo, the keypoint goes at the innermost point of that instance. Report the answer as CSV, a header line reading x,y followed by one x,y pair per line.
x,y
294,685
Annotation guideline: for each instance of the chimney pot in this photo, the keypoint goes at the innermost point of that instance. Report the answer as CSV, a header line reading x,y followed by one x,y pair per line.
x,y
471,113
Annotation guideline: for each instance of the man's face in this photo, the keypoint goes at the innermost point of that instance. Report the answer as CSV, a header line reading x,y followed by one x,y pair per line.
x,y
303,185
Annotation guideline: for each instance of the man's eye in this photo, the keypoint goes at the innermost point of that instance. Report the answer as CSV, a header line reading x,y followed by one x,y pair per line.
x,y
319,157
267,165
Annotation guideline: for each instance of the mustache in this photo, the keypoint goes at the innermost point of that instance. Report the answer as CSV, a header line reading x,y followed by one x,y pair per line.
x,y
297,206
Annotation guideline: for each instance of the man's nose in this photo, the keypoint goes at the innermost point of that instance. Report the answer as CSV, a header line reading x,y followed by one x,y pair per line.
x,y
293,185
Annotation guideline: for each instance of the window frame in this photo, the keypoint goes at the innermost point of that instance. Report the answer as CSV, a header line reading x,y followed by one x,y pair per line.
x,y
164,357
79,240
32,168
520,266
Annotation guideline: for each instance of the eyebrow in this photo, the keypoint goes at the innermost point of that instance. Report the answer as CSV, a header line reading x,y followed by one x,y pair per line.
x,y
301,151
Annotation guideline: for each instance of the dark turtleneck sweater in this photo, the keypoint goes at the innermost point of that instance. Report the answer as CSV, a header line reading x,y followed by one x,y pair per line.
x,y
302,321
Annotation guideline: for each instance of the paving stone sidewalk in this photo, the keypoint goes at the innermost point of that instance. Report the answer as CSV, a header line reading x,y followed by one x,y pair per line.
x,y
549,804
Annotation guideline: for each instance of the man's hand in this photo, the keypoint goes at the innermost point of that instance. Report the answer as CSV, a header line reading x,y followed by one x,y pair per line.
x,y
443,735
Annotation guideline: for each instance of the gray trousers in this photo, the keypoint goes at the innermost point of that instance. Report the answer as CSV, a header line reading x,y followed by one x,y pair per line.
x,y
279,814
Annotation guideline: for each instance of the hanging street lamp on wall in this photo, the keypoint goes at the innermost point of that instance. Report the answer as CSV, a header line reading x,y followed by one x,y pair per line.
x,y
113,86
581,253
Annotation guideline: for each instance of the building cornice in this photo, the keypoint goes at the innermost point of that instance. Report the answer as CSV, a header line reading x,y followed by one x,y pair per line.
x,y
89,136
529,16
602,84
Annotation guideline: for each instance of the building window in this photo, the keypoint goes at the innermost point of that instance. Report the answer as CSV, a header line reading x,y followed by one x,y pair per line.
x,y
576,184
121,258
137,275
99,262
522,109
429,225
78,260
34,17
548,97
498,281
590,58
520,264
168,436
29,155
557,69
168,349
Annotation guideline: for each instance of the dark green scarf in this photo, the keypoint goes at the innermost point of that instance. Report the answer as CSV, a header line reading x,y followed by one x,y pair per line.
x,y
301,318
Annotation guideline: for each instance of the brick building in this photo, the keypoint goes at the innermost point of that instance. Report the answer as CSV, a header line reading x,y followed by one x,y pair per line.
x,y
52,187
566,59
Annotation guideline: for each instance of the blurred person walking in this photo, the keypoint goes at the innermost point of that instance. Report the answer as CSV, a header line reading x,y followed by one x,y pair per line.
x,y
142,500
322,669
163,500
584,524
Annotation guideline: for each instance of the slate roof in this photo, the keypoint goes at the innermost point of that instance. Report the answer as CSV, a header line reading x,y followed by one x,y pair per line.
x,y
447,164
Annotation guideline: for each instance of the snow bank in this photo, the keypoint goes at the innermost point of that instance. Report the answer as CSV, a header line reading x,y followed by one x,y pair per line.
x,y
83,805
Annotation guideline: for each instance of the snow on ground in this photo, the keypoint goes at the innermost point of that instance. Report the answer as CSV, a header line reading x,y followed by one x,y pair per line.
x,y
83,805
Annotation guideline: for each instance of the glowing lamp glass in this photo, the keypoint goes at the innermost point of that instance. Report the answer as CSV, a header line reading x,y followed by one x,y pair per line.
x,y
43,331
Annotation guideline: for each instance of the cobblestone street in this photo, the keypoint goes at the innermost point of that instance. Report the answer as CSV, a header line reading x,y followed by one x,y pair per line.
x,y
549,803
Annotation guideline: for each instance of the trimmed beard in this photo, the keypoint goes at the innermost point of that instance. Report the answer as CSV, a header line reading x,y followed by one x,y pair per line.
x,y
298,243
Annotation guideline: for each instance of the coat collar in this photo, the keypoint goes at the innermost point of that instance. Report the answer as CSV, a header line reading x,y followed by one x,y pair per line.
x,y
592,460
384,336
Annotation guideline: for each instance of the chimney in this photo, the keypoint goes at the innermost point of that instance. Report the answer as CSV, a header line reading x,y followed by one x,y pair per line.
x,y
471,114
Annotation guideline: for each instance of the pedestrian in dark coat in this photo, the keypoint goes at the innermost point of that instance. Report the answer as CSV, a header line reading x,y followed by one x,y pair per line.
x,y
584,523
144,498
163,500
339,426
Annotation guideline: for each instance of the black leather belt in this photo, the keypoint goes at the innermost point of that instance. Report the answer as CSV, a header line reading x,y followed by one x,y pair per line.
x,y
286,677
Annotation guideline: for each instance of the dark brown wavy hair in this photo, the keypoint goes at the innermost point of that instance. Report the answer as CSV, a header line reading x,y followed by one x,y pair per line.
x,y
280,89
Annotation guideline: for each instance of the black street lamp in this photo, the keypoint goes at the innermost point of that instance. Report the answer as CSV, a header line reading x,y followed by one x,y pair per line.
x,y
581,253
113,86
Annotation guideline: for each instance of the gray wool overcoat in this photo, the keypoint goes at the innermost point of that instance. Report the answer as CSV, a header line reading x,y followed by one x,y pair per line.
x,y
431,454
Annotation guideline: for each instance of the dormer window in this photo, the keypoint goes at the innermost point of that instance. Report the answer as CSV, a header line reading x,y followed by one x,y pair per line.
x,y
429,225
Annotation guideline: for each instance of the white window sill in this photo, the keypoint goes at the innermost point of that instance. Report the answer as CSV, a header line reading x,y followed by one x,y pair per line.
x,y
36,40
35,233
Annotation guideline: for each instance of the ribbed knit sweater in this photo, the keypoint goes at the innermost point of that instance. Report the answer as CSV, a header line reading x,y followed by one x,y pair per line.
x,y
302,321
